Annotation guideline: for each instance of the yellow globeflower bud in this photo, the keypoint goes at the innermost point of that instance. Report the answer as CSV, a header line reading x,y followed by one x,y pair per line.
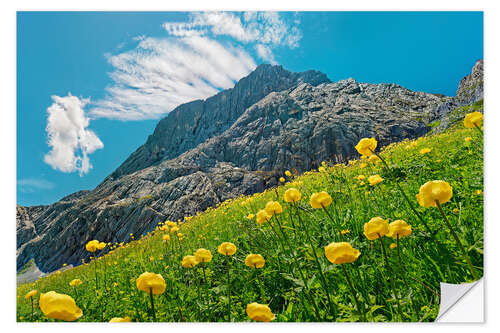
x,y
32,293
288,173
375,179
151,282
255,261
292,195
262,216
189,262
341,253
320,200
75,282
120,320
473,119
376,227
59,306
399,228
227,248
92,245
282,180
432,191
273,208
366,146
468,139
393,246
166,237
203,255
260,312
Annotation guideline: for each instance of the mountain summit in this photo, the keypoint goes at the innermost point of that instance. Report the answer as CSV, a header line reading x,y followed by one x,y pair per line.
x,y
234,143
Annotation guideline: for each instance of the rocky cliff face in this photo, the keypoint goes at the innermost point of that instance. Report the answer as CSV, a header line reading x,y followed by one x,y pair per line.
x,y
236,142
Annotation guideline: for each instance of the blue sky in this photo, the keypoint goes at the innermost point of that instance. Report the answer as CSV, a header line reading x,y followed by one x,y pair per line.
x,y
126,70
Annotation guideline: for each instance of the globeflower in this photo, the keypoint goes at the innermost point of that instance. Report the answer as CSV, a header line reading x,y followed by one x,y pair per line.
x,y
120,320
320,200
151,283
255,261
59,306
375,179
260,312
166,238
468,139
360,177
203,255
288,173
75,282
227,248
262,216
425,151
174,229
32,293
273,208
341,253
101,246
473,119
189,262
399,228
292,195
432,191
374,158
92,245
376,227
366,146
282,180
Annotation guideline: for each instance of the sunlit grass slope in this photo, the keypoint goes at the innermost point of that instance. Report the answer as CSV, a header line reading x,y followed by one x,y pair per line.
x,y
297,281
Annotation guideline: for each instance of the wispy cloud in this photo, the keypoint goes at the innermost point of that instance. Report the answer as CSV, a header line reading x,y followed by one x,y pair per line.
x,y
192,62
30,185
68,137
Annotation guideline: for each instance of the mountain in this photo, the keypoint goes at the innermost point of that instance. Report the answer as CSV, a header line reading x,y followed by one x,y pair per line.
x,y
236,142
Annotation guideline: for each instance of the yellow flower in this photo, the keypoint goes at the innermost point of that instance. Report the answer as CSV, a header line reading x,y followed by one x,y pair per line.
x,y
180,235
262,216
120,320
376,227
250,216
393,246
478,192
31,294
255,261
468,139
321,169
21,317
260,312
375,179
363,165
425,151
174,229
432,191
288,173
399,227
292,195
92,245
75,282
64,265
282,180
189,262
473,119
320,200
166,238
366,146
360,177
101,246
273,207
227,248
345,231
151,282
341,253
115,284
374,158
59,306
203,255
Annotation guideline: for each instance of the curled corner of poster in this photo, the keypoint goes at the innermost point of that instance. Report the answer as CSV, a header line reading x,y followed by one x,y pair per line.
x,y
462,303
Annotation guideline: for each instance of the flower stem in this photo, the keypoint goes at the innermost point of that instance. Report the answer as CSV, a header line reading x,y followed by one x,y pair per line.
x,y
457,240
228,289
152,303
31,297
388,267
361,310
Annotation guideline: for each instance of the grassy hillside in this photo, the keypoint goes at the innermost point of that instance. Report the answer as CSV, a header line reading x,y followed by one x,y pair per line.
x,y
297,282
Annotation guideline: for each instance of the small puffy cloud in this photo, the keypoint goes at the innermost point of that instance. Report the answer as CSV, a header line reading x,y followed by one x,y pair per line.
x,y
30,185
69,138
265,53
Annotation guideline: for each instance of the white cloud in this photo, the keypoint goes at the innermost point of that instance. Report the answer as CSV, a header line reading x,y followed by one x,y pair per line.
x,y
69,139
161,73
30,185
